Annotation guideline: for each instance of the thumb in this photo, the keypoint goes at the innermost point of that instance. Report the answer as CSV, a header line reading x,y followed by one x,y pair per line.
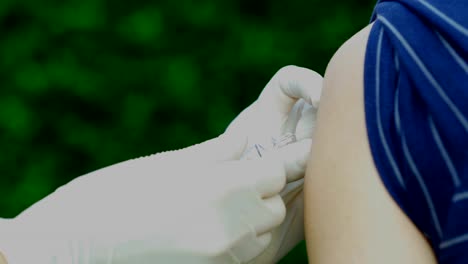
x,y
294,157
232,145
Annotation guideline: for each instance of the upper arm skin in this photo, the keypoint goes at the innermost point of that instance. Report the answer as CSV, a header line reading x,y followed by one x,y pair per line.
x,y
349,215
2,259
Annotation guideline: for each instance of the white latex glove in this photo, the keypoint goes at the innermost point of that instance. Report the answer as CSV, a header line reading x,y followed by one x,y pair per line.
x,y
151,210
157,210
265,119
274,120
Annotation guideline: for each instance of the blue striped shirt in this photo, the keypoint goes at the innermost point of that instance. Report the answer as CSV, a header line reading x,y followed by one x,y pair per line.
x,y
416,104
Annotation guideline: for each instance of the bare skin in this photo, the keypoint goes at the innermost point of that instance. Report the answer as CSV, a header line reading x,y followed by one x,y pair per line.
x,y
349,215
2,259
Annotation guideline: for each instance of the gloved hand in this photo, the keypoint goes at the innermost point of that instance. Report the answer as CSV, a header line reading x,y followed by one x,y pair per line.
x,y
264,121
284,113
156,210
150,210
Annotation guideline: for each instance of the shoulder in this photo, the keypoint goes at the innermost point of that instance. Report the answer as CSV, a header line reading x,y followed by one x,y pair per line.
x,y
347,208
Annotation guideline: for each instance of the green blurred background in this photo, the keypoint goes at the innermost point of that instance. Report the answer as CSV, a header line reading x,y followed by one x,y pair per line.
x,y
88,83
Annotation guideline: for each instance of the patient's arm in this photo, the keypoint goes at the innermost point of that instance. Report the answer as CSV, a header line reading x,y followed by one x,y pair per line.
x,y
349,215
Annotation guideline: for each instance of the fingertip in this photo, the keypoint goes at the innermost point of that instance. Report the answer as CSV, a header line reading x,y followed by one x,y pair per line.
x,y
273,178
264,240
266,175
300,82
295,157
247,251
276,206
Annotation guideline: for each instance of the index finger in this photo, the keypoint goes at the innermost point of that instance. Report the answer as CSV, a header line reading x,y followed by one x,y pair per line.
x,y
288,85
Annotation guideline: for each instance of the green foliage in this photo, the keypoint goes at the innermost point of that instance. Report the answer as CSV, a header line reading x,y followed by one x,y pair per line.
x,y
88,83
